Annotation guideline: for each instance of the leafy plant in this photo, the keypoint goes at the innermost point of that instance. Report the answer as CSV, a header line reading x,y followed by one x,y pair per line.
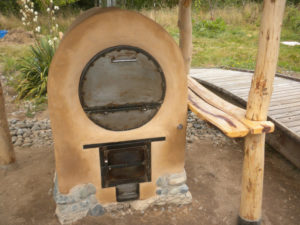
x,y
33,68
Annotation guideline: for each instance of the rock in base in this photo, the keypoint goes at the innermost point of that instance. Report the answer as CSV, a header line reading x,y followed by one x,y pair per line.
x,y
98,210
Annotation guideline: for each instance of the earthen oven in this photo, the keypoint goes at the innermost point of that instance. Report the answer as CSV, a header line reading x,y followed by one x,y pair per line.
x,y
118,104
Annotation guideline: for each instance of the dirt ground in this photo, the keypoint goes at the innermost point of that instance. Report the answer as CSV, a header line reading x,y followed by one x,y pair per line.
x,y
214,178
17,36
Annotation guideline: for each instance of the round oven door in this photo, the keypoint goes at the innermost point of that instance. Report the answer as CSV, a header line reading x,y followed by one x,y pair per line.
x,y
122,88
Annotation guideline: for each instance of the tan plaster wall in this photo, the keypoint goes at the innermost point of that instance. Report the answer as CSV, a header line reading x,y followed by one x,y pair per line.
x,y
92,33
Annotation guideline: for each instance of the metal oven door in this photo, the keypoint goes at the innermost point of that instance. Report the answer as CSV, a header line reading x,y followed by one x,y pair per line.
x,y
125,163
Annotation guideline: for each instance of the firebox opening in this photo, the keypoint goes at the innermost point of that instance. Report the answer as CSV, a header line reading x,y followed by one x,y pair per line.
x,y
125,163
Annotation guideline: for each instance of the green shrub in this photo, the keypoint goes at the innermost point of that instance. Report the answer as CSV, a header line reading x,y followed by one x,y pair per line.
x,y
292,19
33,68
209,28
9,6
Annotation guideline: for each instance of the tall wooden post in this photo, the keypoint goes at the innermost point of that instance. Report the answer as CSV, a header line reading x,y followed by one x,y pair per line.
x,y
257,109
7,155
185,28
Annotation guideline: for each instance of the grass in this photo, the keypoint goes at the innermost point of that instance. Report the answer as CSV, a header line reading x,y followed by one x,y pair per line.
x,y
166,18
9,56
64,19
234,45
9,22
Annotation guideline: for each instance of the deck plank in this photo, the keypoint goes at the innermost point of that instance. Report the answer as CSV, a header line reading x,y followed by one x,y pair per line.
x,y
289,109
279,92
285,104
287,119
293,124
283,114
289,97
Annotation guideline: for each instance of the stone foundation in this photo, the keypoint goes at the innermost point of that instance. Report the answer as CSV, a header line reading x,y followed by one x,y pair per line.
x,y
81,201
171,189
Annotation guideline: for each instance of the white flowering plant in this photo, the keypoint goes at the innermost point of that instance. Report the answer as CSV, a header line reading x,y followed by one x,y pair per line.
x,y
30,19
32,79
29,16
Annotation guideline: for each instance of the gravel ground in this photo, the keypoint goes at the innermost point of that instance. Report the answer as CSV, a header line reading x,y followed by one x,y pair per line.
x,y
30,132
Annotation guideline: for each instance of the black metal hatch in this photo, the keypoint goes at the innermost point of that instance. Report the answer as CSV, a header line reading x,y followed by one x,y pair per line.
x,y
125,162
122,88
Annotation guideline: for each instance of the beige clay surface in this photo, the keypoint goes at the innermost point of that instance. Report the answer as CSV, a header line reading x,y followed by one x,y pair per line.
x,y
90,34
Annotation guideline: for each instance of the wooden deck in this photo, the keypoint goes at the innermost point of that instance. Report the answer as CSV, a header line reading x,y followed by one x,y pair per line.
x,y
284,109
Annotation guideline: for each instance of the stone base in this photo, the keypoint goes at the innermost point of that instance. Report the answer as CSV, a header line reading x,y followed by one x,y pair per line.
x,y
81,201
171,189
178,199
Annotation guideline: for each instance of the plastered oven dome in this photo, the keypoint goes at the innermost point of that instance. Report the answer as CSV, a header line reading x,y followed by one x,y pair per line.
x,y
117,95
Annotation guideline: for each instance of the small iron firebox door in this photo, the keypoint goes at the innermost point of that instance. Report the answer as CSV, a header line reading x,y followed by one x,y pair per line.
x,y
124,165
